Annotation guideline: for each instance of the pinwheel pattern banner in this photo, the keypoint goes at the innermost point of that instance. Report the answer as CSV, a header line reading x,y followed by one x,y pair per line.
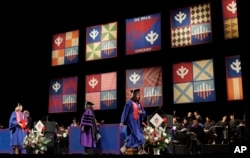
x,y
149,81
101,90
191,25
193,82
143,34
230,16
65,48
234,78
63,95
101,41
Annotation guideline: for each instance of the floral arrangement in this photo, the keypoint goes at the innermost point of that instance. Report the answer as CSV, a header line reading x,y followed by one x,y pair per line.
x,y
156,137
36,142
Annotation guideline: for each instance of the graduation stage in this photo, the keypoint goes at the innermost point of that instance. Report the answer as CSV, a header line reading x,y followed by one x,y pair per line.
x,y
112,138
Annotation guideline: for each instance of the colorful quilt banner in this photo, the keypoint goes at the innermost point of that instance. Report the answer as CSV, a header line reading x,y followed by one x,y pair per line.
x,y
65,48
230,17
101,90
149,81
143,34
63,95
191,25
193,82
101,41
234,78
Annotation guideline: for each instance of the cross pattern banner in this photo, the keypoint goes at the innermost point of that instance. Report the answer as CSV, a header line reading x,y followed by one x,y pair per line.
x,y
193,82
230,17
191,25
63,95
101,41
65,48
149,81
143,34
234,78
101,90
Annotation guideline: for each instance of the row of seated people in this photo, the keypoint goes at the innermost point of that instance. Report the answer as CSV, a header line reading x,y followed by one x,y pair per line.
x,y
193,133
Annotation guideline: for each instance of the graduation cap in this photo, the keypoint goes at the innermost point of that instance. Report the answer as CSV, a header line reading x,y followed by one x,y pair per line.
x,y
135,91
88,103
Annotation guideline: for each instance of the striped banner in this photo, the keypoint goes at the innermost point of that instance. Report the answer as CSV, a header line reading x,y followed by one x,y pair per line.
x,y
63,95
149,81
230,17
143,34
101,90
191,25
101,41
234,78
193,82
65,48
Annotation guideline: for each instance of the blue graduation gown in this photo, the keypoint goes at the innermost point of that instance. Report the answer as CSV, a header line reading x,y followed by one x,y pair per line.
x,y
135,136
17,134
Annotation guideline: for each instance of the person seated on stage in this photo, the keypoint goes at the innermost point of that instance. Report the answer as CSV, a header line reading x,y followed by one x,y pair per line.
x,y
197,136
176,127
233,123
62,136
220,131
74,122
181,136
209,123
240,131
1,126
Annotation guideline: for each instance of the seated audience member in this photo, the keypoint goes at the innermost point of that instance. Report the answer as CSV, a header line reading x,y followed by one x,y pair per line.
x,y
220,131
196,136
207,129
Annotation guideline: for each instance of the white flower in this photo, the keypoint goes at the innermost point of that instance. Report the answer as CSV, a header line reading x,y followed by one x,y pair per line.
x,y
151,131
156,138
164,134
160,128
167,141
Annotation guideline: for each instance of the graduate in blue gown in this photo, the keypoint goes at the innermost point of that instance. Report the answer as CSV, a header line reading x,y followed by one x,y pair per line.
x,y
132,116
88,129
17,125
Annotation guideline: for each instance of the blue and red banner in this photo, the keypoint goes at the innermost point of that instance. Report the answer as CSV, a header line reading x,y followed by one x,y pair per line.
x,y
143,34
149,81
63,95
101,90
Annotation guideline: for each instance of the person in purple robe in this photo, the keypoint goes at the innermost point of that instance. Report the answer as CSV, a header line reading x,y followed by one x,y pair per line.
x,y
17,125
132,116
89,129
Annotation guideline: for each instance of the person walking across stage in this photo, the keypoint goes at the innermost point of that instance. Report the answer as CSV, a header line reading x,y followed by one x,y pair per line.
x,y
132,116
89,129
17,124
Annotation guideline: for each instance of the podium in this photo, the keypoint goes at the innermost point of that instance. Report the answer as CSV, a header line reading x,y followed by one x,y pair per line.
x,y
50,132
5,147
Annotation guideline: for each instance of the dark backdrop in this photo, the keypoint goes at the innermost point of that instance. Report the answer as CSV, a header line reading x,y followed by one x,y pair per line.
x,y
26,55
